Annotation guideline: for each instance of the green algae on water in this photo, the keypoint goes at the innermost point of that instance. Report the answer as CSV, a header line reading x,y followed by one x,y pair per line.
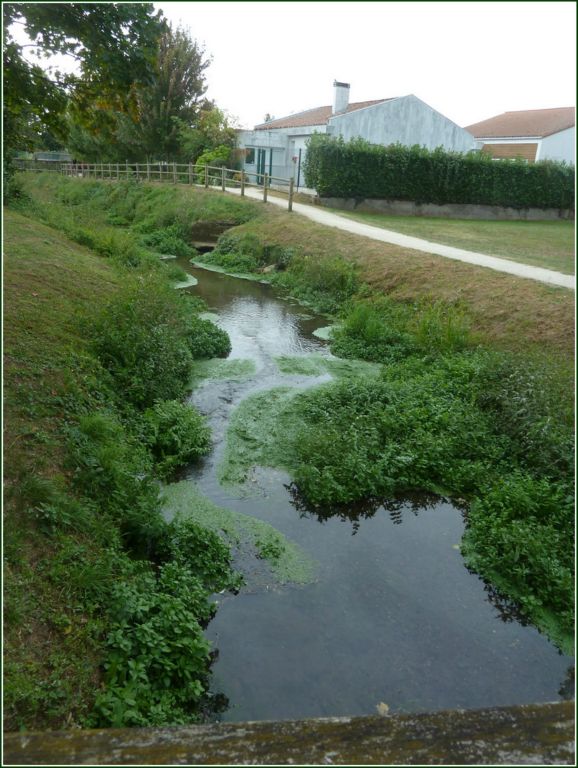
x,y
326,332
260,433
188,283
223,271
317,365
217,368
288,562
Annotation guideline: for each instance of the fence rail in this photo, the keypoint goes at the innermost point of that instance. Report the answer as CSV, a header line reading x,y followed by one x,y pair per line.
x,y
183,173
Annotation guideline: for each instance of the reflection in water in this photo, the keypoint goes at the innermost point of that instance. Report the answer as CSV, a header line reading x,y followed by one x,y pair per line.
x,y
567,690
355,511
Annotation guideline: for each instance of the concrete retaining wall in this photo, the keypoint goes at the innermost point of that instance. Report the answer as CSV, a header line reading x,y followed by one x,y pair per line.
x,y
450,211
540,734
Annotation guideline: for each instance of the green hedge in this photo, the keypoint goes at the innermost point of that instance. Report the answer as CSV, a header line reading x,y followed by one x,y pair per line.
x,y
336,168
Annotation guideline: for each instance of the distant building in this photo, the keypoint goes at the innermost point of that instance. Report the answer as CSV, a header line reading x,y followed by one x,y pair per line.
x,y
278,147
533,135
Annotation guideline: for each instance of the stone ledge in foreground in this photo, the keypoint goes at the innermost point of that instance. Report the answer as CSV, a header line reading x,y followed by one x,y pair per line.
x,y
537,734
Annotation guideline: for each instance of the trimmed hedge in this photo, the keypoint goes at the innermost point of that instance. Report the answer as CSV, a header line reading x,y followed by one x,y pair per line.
x,y
358,169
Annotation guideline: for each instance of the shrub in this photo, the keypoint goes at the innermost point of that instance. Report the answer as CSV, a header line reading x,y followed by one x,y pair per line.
x,y
357,169
203,552
325,282
157,657
517,533
109,469
206,340
168,240
374,331
142,338
177,434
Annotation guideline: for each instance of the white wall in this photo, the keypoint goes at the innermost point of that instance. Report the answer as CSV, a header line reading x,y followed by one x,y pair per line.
x,y
407,120
285,142
559,146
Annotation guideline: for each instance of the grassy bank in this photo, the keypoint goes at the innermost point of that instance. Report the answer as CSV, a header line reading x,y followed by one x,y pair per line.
x,y
97,356
547,244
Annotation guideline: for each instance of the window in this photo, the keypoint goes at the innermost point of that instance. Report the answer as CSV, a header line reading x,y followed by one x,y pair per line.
x,y
250,156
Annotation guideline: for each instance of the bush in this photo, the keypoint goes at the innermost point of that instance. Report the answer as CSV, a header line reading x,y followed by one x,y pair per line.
x,y
146,338
357,169
168,240
112,471
206,340
203,552
517,533
374,331
325,282
157,657
177,434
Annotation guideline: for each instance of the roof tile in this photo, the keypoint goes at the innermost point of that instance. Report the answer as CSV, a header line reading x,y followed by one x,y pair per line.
x,y
316,116
530,122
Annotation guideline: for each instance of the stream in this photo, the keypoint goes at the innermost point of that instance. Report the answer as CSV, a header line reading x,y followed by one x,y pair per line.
x,y
393,620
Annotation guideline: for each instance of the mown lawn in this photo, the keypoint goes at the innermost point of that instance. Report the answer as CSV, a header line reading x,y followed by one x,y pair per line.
x,y
547,244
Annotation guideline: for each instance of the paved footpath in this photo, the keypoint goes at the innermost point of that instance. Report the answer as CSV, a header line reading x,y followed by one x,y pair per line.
x,y
329,219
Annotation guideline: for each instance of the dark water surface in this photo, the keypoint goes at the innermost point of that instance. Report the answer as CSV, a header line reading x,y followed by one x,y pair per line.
x,y
393,616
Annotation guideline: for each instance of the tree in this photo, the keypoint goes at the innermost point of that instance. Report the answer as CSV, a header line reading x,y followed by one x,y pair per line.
x,y
173,99
212,129
115,45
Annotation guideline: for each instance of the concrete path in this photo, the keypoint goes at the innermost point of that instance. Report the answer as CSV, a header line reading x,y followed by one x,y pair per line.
x,y
323,216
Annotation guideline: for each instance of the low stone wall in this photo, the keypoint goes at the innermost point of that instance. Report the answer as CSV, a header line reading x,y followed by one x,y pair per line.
x,y
449,211
539,734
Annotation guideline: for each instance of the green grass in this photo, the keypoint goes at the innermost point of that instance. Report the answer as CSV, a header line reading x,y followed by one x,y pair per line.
x,y
547,244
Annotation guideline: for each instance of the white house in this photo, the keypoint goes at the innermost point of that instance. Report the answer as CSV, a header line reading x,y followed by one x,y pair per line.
x,y
278,147
534,134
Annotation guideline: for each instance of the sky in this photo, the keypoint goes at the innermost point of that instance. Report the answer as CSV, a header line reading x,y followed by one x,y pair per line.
x,y
468,60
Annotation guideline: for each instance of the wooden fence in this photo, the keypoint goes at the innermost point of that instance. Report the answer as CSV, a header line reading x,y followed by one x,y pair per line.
x,y
183,173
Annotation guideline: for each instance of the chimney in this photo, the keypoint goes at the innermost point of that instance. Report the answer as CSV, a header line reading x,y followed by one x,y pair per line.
x,y
340,97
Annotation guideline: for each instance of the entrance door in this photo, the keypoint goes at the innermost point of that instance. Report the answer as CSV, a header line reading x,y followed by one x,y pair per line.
x,y
261,164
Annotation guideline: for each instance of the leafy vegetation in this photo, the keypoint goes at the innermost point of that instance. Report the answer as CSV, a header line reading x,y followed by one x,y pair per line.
x,y
356,168
177,435
120,595
115,44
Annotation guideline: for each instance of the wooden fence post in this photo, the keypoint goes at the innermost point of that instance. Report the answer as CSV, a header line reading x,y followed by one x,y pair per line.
x,y
265,180
223,178
148,171
291,183
174,173
242,183
126,164
117,172
206,176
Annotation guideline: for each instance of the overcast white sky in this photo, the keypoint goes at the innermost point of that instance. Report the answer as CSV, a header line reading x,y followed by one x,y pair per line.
x,y
468,60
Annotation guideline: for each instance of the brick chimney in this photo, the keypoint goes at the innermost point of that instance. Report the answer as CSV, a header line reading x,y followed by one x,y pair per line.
x,y
340,97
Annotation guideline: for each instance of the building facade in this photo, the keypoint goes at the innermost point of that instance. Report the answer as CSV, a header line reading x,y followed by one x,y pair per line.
x,y
279,146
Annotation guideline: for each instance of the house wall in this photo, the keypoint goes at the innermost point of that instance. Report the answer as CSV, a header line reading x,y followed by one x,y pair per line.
x,y
559,146
285,142
407,120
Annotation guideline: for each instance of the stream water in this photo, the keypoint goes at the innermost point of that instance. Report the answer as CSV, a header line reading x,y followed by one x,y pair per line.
x,y
393,616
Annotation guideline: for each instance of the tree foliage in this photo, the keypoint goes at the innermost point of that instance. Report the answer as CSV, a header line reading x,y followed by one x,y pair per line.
x,y
115,45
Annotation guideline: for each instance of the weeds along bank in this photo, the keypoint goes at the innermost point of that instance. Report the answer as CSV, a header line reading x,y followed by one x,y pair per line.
x,y
443,413
105,602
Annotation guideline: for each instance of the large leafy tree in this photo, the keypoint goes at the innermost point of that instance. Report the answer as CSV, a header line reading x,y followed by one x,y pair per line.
x,y
115,45
176,97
